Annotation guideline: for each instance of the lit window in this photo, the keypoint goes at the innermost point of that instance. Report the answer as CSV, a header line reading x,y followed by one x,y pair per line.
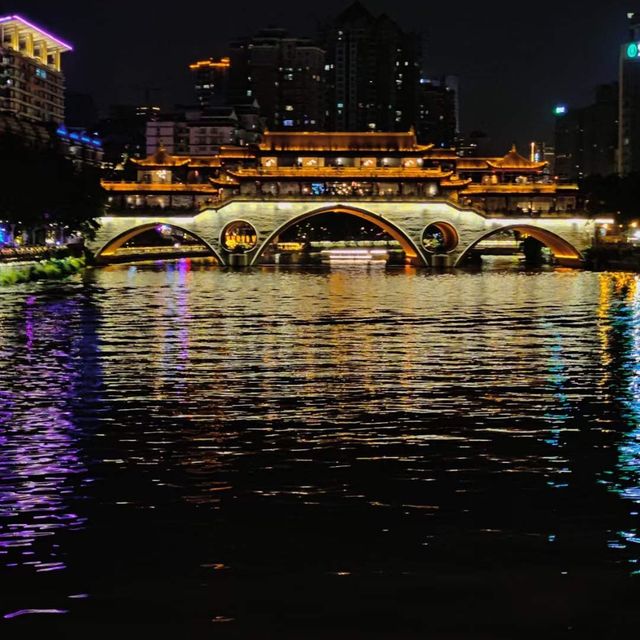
x,y
287,123
41,73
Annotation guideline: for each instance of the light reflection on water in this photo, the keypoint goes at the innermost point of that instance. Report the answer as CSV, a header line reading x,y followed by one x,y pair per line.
x,y
433,419
40,466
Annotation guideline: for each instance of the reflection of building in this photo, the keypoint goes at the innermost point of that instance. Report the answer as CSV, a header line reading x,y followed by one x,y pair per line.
x,y
345,166
284,75
373,73
211,81
629,114
31,79
586,138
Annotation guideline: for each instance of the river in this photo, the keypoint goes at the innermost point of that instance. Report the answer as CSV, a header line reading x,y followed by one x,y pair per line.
x,y
301,454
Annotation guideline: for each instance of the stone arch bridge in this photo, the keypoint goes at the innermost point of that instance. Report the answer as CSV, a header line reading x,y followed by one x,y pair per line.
x,y
567,237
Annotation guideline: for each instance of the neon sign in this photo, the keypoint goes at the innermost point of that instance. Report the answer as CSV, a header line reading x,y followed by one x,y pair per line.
x,y
633,50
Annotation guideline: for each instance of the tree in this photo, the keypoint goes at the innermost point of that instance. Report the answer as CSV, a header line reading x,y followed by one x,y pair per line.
x,y
42,188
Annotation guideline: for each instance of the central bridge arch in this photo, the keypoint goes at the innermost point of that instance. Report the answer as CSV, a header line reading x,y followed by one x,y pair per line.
x,y
411,250
563,251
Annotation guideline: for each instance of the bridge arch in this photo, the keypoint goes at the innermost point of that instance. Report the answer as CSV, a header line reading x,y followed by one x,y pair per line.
x,y
110,247
411,250
449,238
564,252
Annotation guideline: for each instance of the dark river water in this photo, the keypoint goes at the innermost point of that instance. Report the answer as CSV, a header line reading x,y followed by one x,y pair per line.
x,y
345,454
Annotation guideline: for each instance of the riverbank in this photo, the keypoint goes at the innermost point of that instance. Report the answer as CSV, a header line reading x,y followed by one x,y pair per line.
x,y
616,257
53,269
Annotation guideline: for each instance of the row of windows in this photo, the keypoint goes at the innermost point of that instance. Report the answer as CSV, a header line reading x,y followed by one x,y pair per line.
x,y
29,97
30,111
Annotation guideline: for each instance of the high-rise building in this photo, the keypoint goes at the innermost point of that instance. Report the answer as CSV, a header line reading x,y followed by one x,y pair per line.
x,y
373,73
540,151
586,138
629,116
211,81
284,75
437,121
80,110
123,132
475,144
31,79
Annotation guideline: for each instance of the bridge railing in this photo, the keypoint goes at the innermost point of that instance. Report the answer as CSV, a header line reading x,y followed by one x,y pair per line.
x,y
220,202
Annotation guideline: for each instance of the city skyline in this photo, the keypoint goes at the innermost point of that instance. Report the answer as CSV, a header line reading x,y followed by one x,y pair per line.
x,y
538,61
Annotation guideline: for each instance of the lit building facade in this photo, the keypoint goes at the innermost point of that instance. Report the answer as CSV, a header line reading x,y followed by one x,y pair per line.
x,y
373,73
437,116
31,78
629,114
343,166
123,133
83,148
285,75
194,131
586,138
211,81
540,151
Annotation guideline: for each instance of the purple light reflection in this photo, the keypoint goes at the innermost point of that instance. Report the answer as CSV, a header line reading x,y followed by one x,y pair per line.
x,y
27,612
40,464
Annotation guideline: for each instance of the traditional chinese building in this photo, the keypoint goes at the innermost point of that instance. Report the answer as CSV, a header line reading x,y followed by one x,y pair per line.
x,y
342,166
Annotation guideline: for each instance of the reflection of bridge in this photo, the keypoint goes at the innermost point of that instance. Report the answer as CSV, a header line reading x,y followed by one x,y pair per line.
x,y
405,220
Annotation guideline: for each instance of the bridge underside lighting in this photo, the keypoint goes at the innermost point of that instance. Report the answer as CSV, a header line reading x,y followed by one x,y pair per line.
x,y
354,256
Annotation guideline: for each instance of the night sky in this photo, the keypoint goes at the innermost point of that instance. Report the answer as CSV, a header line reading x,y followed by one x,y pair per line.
x,y
515,60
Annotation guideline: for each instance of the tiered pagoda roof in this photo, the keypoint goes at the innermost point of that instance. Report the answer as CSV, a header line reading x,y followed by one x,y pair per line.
x,y
513,161
161,159
341,141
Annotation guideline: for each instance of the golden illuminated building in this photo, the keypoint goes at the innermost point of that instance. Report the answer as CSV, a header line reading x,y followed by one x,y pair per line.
x,y
211,81
347,166
31,79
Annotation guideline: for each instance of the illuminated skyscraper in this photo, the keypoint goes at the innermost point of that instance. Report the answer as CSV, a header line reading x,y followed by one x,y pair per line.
x,y
211,81
284,74
629,131
373,73
586,138
436,120
31,79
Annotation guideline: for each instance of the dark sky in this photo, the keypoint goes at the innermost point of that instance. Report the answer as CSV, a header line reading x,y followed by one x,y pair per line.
x,y
515,60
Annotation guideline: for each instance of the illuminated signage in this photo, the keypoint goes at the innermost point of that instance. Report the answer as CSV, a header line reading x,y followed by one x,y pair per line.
x,y
633,50
560,110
